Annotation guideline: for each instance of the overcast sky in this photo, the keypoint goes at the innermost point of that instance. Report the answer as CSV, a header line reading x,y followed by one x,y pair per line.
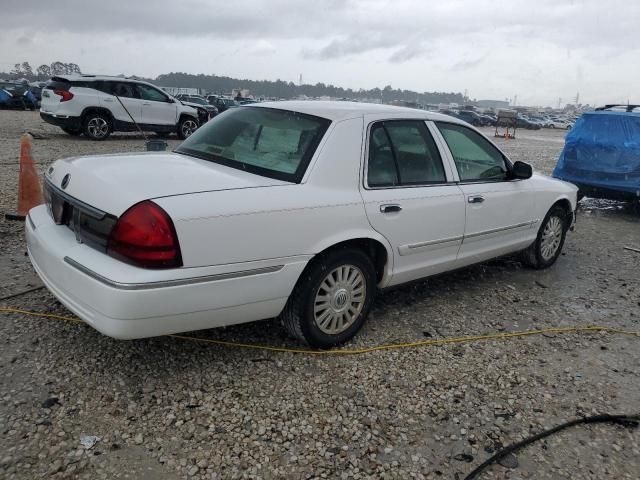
x,y
538,50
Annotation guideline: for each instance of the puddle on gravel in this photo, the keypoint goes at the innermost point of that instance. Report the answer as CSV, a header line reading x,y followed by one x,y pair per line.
x,y
599,205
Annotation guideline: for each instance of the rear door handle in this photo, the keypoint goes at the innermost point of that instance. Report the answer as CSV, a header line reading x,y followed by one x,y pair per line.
x,y
146,103
390,208
475,199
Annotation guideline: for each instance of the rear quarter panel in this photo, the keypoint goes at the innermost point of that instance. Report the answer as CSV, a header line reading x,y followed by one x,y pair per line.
x,y
260,223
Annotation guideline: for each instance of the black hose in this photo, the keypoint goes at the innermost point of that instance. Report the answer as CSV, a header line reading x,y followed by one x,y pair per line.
x,y
630,421
21,293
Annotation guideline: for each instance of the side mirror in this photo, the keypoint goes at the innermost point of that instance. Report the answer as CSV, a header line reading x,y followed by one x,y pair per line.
x,y
170,100
521,170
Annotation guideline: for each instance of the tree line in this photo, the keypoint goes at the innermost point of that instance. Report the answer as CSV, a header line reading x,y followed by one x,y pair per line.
x,y
282,89
258,88
42,72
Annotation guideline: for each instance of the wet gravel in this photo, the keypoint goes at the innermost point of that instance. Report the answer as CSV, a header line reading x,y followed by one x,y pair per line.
x,y
165,408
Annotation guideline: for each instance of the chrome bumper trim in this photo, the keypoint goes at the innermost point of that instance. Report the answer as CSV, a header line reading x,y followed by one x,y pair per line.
x,y
171,283
501,229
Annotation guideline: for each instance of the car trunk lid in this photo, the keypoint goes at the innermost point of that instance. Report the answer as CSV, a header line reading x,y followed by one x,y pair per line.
x,y
113,183
51,96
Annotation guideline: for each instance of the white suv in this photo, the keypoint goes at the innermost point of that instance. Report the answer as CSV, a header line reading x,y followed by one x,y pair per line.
x,y
96,106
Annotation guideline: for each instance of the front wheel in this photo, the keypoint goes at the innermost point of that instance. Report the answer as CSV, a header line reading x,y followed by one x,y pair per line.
x,y
548,244
332,298
186,127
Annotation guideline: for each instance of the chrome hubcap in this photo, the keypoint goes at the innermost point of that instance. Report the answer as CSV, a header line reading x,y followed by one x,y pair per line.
x,y
98,127
340,299
551,236
188,127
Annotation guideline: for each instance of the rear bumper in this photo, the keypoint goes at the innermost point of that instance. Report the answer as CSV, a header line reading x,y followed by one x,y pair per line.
x,y
126,302
61,120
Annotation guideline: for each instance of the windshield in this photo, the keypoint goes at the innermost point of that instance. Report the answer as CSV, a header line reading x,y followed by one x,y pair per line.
x,y
269,142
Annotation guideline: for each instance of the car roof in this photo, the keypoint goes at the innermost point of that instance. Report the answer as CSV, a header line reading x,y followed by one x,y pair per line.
x,y
338,110
89,78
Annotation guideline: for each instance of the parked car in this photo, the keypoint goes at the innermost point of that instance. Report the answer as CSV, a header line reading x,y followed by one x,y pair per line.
x,y
222,103
18,97
281,210
488,120
96,106
529,125
205,110
470,117
560,124
601,155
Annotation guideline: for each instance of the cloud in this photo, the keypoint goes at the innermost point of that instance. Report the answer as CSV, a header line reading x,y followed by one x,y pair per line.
x,y
409,52
467,64
24,41
350,45
552,47
261,47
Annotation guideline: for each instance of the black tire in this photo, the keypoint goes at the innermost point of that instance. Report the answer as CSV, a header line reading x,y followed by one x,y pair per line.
x,y
96,126
534,256
298,316
185,127
74,132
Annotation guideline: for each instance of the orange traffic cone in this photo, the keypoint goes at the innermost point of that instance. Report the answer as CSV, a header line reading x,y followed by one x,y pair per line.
x,y
29,189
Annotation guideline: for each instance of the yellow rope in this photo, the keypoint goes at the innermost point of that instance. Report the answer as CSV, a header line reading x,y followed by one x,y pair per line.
x,y
359,351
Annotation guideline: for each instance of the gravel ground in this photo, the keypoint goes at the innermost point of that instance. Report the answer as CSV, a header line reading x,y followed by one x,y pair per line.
x,y
165,408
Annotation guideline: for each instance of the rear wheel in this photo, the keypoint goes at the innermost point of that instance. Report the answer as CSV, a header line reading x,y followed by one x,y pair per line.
x,y
72,131
548,244
186,127
332,298
97,126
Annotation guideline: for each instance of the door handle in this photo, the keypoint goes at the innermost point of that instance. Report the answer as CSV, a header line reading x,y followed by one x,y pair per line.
x,y
475,199
390,208
108,99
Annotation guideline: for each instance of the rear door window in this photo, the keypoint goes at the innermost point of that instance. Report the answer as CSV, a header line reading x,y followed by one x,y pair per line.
x,y
403,152
124,90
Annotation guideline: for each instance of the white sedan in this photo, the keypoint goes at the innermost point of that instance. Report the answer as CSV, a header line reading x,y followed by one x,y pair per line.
x,y
297,210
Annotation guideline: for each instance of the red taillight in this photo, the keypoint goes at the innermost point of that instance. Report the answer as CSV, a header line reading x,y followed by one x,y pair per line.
x,y
144,236
65,94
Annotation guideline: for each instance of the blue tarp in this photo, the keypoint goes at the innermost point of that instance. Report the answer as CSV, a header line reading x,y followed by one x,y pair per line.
x,y
4,96
601,154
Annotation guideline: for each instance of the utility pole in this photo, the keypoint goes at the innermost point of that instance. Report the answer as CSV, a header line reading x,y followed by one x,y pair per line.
x,y
577,98
300,80
515,100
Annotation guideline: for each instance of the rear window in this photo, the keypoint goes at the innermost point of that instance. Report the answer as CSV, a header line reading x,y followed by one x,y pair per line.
x,y
269,142
58,83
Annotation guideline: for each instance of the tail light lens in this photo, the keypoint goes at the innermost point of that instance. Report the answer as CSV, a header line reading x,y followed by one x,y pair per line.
x,y
65,94
145,236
